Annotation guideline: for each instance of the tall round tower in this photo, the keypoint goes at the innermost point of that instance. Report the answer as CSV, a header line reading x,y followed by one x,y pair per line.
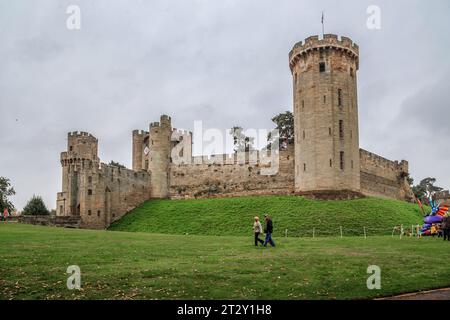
x,y
159,156
326,114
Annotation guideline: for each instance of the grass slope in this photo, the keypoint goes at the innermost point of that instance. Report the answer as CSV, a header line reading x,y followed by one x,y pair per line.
x,y
234,216
125,265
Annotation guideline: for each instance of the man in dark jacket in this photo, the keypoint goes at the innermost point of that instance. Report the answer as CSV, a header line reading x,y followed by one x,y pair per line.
x,y
268,230
446,227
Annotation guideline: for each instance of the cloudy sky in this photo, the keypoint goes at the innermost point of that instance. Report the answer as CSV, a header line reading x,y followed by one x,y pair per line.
x,y
224,62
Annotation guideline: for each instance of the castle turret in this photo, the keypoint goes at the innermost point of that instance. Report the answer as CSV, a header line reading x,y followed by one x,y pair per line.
x,y
140,143
159,156
82,153
326,114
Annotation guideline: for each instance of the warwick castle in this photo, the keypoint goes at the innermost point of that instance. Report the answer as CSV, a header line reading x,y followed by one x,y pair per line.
x,y
325,161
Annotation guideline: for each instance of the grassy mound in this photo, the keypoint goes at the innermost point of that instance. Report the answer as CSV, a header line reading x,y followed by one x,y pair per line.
x,y
234,216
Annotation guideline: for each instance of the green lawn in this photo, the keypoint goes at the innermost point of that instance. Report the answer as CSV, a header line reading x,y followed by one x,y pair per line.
x,y
234,216
121,265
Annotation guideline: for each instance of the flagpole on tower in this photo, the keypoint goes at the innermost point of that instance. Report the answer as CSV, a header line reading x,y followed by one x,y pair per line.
x,y
323,25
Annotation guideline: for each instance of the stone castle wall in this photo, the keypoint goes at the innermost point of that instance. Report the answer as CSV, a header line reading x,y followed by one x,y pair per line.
x,y
115,191
102,194
443,197
231,177
381,177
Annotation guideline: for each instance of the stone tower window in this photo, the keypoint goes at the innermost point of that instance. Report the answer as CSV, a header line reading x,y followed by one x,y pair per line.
x,y
329,131
89,212
295,79
322,67
303,104
331,163
324,99
71,148
90,179
351,72
340,97
342,160
352,164
304,167
98,213
304,135
341,129
89,192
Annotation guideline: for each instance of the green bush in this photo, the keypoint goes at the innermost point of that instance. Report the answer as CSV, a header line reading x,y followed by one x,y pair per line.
x,y
35,207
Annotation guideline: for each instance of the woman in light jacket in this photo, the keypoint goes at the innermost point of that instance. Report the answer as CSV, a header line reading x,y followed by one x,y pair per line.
x,y
257,229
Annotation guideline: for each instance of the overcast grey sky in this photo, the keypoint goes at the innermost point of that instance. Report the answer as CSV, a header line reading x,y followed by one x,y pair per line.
x,y
224,62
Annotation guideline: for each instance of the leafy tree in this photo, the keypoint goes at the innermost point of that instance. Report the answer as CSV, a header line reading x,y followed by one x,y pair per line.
x,y
410,180
285,125
240,140
35,206
6,190
407,176
117,164
426,188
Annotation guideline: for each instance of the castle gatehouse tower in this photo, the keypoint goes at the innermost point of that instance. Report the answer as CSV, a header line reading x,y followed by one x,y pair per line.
x,y
80,158
326,114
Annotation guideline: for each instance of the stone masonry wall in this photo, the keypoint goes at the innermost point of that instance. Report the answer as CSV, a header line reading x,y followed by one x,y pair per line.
x,y
233,179
443,197
115,191
381,177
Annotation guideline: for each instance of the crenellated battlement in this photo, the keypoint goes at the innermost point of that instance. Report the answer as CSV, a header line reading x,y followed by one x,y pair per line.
x,y
329,41
82,134
164,122
165,118
397,165
140,132
119,172
182,131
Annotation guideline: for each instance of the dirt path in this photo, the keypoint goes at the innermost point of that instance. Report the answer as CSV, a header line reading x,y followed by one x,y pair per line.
x,y
440,294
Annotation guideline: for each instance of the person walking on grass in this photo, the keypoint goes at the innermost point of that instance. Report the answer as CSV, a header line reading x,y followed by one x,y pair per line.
x,y
5,215
446,227
433,230
257,229
268,231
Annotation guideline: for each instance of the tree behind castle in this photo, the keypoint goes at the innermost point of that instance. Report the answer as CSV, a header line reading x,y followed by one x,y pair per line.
x,y
35,207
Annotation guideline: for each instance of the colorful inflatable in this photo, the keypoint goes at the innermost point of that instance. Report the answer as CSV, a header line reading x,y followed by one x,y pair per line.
x,y
438,212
